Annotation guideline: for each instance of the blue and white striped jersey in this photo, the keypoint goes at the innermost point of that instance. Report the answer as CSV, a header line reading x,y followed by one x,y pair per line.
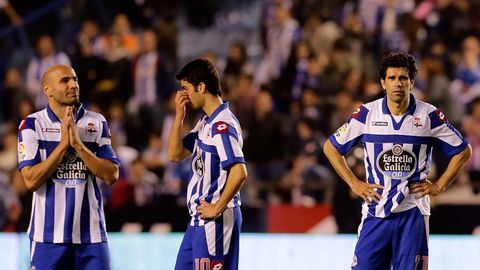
x,y
68,207
398,151
216,144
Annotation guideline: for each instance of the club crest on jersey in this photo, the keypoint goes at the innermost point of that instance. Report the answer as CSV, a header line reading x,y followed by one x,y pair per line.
x,y
397,162
198,165
90,129
217,265
417,122
72,171
221,127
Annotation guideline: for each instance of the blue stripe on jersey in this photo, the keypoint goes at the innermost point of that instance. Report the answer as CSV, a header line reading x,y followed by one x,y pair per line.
x,y
215,174
344,149
201,182
105,133
227,146
391,193
189,141
448,150
106,152
69,211
371,178
29,123
85,218
219,236
397,138
207,148
31,162
360,115
377,148
98,196
49,212
32,221
230,131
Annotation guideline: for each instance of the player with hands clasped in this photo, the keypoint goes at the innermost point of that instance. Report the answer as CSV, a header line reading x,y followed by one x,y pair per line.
x,y
398,133
62,149
217,171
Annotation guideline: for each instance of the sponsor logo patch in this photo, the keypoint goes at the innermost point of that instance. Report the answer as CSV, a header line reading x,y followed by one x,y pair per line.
x,y
440,116
22,151
397,162
217,265
221,127
51,130
379,123
72,171
341,130
357,111
198,163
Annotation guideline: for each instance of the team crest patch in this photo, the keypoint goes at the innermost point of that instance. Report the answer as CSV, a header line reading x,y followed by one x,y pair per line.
x,y
217,265
221,127
90,129
417,122
397,162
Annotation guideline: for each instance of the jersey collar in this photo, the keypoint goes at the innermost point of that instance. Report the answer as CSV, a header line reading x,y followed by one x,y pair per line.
x,y
80,111
217,111
411,107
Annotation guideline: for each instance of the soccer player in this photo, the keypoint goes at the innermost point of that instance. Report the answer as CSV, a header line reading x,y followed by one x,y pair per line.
x,y
62,149
397,133
217,171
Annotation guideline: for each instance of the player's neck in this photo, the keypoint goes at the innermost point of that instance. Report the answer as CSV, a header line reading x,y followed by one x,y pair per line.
x,y
398,108
211,104
57,109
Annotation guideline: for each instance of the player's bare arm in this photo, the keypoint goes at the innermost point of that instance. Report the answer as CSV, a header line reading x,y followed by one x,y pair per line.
x,y
235,180
35,176
176,151
363,189
455,166
106,170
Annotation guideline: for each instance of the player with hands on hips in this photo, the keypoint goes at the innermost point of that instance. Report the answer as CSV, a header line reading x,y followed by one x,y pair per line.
x,y
397,133
217,171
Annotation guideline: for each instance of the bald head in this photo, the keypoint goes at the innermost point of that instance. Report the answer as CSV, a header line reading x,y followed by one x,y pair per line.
x,y
55,72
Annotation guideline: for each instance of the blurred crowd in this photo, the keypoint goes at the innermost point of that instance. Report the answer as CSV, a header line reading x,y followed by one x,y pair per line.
x,y
318,62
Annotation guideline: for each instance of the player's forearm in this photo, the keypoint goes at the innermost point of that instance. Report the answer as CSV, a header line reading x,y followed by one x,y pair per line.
x,y
36,175
455,166
235,180
106,170
176,150
339,163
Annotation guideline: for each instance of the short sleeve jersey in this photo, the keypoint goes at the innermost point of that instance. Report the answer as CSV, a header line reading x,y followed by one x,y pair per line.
x,y
68,207
216,144
398,152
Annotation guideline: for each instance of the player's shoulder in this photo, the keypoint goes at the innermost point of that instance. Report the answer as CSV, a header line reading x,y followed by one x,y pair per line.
x,y
29,121
91,115
425,107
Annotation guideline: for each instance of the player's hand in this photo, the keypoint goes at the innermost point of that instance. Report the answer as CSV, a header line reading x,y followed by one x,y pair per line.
x,y
423,188
207,210
366,191
181,101
64,129
75,141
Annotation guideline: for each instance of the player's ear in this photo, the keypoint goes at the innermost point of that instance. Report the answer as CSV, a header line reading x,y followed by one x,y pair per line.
x,y
202,88
382,81
47,90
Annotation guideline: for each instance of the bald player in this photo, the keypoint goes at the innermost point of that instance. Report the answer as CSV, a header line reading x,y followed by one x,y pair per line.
x,y
63,150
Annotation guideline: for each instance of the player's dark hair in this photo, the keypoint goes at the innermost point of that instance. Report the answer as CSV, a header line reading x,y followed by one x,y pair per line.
x,y
201,70
398,60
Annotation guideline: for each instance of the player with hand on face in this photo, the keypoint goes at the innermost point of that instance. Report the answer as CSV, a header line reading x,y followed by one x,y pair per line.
x,y
217,171
62,149
398,133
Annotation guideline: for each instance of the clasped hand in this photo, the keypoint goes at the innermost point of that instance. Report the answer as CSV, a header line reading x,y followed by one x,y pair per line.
x,y
69,131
